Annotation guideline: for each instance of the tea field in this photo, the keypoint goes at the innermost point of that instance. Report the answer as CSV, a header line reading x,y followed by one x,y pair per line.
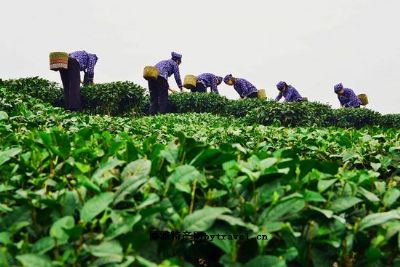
x,y
88,189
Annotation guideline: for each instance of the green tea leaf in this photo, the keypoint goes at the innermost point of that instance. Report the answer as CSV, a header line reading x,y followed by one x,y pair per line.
x,y
323,185
379,218
288,208
391,197
6,155
183,178
95,206
344,203
111,250
3,116
270,261
34,260
311,196
57,230
203,219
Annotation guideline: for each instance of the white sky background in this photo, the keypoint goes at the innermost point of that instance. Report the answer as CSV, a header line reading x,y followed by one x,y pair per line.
x,y
311,44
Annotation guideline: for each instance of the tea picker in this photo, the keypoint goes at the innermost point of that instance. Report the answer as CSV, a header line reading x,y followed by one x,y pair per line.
x,y
70,66
348,98
200,83
289,93
157,76
243,87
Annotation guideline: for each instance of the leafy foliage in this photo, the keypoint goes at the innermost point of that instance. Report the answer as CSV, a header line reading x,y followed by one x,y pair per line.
x,y
117,98
127,98
81,190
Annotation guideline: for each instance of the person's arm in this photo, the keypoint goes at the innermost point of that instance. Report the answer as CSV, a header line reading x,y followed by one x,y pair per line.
x,y
177,76
239,87
89,73
279,96
342,100
214,87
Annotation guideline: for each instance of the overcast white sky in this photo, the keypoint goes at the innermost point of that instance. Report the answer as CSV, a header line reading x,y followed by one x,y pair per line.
x,y
311,44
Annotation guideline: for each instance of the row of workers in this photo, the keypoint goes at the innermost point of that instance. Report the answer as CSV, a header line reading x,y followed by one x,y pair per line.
x,y
159,87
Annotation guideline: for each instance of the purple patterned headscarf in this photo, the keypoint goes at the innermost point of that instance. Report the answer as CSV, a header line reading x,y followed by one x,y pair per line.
x,y
281,85
176,56
338,87
227,78
220,79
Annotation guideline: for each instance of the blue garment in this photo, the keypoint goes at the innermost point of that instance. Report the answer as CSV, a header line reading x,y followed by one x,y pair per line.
x,y
349,99
290,94
169,67
244,87
86,61
209,80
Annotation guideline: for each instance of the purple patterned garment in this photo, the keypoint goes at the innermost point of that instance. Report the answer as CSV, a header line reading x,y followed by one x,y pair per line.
x,y
349,99
290,94
209,80
244,87
169,67
86,60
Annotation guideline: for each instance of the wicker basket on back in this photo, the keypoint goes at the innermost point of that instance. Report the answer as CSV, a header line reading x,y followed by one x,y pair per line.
x,y
190,82
58,61
261,94
150,73
364,99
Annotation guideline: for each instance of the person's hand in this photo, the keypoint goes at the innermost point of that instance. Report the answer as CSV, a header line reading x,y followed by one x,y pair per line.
x,y
81,82
172,90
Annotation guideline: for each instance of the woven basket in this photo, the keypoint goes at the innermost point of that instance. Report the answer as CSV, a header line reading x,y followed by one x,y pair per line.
x,y
261,94
190,82
58,61
150,73
364,99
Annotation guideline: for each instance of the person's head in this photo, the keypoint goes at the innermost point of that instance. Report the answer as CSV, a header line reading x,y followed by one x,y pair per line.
x,y
176,57
93,56
281,86
229,79
339,89
219,80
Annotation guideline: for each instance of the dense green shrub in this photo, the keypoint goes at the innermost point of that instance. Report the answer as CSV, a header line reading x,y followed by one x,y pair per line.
x,y
390,121
240,108
358,117
197,102
116,98
291,114
127,98
81,190
39,88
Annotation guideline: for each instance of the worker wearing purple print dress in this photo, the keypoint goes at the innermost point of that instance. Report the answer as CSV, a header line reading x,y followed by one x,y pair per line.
x,y
347,97
159,88
243,87
78,61
288,92
206,80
